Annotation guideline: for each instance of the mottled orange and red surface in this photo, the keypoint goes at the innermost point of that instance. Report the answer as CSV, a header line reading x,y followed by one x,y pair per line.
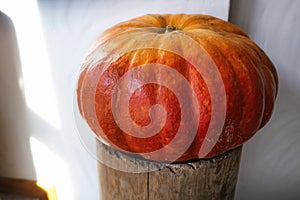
x,y
248,77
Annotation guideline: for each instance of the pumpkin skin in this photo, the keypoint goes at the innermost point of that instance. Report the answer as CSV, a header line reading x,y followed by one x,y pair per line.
x,y
150,44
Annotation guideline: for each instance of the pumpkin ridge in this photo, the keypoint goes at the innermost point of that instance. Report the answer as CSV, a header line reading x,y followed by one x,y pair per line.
x,y
269,79
245,53
238,98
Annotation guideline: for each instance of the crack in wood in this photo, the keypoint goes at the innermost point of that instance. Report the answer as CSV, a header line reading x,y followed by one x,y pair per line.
x,y
191,165
148,184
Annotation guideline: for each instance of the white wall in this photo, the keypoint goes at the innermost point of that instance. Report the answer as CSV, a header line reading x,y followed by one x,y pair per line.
x,y
53,38
270,167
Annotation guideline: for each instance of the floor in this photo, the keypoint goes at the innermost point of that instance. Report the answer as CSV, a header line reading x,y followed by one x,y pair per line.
x,y
5,196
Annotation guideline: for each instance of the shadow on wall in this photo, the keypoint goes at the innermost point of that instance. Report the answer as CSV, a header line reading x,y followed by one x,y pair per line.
x,y
270,167
15,154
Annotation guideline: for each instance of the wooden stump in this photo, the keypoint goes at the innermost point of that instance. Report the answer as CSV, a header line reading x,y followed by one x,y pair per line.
x,y
207,179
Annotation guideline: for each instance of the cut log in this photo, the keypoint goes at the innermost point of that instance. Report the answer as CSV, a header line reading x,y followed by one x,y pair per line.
x,y
127,177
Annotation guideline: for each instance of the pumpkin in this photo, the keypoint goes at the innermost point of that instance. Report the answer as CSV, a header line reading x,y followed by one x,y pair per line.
x,y
176,87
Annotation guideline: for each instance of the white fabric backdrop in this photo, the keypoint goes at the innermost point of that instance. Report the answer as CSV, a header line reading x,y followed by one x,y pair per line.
x,y
270,167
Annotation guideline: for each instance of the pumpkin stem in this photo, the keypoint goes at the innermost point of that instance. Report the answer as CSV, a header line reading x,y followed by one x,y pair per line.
x,y
170,28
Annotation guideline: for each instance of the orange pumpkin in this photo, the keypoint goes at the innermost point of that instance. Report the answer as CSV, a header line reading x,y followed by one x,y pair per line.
x,y
176,87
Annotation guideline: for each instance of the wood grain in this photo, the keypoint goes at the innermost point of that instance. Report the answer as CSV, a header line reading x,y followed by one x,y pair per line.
x,y
213,179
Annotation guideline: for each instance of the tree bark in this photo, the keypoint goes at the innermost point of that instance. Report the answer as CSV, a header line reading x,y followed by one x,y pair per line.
x,y
213,179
